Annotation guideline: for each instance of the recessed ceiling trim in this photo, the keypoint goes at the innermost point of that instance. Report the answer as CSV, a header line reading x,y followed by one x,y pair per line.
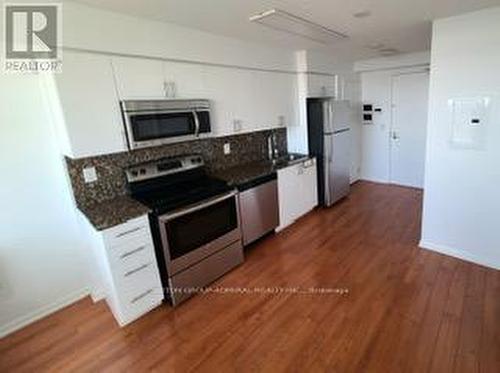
x,y
283,21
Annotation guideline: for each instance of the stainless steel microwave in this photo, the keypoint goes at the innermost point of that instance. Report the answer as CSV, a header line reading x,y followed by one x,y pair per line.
x,y
158,122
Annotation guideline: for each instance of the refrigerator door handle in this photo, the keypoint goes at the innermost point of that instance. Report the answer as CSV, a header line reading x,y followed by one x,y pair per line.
x,y
330,116
326,117
327,160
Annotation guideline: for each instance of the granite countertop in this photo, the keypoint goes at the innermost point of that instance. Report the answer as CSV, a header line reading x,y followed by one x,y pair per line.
x,y
246,172
113,212
118,210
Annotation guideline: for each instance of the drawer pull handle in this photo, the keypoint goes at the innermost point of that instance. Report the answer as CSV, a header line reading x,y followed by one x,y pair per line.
x,y
132,271
132,252
140,296
129,231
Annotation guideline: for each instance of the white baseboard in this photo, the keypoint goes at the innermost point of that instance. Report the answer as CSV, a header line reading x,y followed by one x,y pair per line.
x,y
46,310
97,295
374,180
460,254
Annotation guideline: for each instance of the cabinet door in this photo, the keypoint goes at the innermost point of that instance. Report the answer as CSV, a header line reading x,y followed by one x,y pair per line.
x,y
219,86
297,191
321,85
89,105
267,98
276,99
249,100
187,80
289,195
286,100
309,186
139,78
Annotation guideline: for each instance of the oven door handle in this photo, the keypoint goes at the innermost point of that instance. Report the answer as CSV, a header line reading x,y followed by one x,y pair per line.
x,y
196,123
189,210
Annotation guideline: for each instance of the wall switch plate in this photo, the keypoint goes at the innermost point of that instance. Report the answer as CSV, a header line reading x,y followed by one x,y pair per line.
x,y
227,148
89,174
281,120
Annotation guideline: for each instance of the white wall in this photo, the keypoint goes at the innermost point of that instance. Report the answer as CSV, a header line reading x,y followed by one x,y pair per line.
x,y
461,201
41,263
376,88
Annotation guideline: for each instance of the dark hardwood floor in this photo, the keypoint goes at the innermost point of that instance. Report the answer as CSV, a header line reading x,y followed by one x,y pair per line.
x,y
406,309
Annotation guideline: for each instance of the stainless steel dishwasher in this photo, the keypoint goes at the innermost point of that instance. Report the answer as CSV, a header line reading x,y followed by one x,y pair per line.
x,y
259,211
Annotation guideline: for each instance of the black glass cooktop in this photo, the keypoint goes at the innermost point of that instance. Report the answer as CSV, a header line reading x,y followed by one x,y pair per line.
x,y
170,195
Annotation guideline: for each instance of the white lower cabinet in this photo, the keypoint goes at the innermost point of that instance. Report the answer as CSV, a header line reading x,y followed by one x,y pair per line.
x,y
129,272
297,191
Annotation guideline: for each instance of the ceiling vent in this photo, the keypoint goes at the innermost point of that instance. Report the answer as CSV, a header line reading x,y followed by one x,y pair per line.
x,y
292,24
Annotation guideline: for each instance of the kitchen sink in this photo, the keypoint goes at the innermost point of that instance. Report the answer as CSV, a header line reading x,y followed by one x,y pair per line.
x,y
289,159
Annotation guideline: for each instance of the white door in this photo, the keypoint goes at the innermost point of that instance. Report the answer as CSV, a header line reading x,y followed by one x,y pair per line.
x,y
409,125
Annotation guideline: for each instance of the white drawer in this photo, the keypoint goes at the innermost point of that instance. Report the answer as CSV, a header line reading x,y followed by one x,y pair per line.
x,y
134,245
140,304
131,258
123,233
137,277
139,292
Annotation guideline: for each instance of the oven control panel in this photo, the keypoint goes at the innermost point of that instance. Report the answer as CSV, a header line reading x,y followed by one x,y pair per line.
x,y
162,167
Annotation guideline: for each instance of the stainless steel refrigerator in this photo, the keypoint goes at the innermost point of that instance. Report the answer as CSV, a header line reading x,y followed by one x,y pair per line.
x,y
329,138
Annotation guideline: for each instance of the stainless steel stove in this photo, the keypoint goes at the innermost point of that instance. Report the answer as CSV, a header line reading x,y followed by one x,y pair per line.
x,y
195,222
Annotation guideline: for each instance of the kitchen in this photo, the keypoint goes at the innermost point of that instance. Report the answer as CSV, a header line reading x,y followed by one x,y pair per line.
x,y
199,199
205,196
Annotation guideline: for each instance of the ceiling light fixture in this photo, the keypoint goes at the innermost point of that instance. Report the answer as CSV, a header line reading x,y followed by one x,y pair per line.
x,y
287,22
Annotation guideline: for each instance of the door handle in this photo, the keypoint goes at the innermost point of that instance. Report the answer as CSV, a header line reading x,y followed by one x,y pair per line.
x,y
395,135
196,123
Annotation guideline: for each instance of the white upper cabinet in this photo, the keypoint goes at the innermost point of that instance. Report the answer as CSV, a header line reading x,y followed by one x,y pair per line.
x,y
321,85
139,78
235,99
86,106
219,85
249,106
276,99
184,80
151,79
245,100
85,97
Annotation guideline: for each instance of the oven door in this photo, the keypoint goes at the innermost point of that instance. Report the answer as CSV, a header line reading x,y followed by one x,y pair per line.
x,y
196,232
152,128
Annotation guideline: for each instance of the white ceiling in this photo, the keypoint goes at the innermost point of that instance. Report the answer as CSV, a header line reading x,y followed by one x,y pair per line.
x,y
401,24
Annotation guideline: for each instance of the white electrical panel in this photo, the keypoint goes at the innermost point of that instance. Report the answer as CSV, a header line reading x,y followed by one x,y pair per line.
x,y
468,121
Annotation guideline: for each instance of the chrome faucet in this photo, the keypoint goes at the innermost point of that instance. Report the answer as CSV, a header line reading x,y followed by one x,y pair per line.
x,y
272,147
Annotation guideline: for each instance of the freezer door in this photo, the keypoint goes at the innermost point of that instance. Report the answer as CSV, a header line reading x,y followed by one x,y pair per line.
x,y
340,115
337,166
328,116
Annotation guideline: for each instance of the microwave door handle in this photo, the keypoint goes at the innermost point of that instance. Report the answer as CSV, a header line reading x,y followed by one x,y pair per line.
x,y
196,123
189,210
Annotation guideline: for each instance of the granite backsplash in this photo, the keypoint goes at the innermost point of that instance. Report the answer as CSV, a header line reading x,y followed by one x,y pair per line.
x,y
111,181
